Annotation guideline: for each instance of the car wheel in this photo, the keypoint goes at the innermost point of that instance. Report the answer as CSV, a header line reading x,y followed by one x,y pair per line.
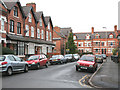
x,y
38,66
61,62
46,64
26,68
93,70
76,68
9,71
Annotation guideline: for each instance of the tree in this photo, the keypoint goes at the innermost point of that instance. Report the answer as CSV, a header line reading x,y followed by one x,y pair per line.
x,y
70,45
6,50
114,51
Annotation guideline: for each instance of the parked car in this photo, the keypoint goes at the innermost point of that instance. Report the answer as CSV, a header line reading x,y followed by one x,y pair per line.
x,y
99,58
58,59
104,56
87,62
76,56
69,57
35,61
12,63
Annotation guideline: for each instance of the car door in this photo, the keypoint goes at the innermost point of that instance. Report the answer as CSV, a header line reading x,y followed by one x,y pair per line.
x,y
41,60
44,59
13,63
21,63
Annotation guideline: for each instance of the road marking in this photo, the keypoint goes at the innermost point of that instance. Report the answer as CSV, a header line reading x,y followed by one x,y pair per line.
x,y
86,76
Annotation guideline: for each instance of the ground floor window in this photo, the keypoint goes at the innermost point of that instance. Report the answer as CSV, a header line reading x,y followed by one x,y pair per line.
x,y
20,48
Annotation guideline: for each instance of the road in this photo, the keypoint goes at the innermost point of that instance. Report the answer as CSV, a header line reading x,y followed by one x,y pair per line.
x,y
55,76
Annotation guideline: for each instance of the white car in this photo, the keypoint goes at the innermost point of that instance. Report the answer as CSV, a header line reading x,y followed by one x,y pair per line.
x,y
76,56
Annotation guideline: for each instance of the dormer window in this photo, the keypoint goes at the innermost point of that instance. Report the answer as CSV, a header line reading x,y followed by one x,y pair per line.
x,y
74,37
97,36
87,36
110,36
15,11
49,26
30,18
40,22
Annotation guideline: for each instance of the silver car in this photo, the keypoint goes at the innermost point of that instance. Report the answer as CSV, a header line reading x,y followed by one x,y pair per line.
x,y
12,63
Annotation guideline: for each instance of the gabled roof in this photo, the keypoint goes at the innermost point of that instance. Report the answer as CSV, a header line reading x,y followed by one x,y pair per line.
x,y
10,4
65,31
47,20
59,33
27,10
38,15
103,35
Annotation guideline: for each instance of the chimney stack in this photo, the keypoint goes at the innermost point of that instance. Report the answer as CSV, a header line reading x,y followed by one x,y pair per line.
x,y
33,5
115,28
92,30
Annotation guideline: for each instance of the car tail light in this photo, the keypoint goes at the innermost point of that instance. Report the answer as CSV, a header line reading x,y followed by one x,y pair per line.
x,y
3,63
58,59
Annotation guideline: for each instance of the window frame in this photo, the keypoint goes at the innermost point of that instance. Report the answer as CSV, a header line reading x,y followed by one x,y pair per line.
x,y
16,11
27,29
12,26
38,33
2,24
32,31
18,28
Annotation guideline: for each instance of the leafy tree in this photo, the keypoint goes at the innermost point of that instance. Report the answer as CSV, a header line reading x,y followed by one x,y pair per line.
x,y
71,45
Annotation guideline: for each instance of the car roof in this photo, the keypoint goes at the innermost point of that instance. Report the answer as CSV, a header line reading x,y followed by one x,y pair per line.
x,y
89,55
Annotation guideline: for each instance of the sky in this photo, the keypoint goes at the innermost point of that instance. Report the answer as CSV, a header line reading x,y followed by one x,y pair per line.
x,y
80,15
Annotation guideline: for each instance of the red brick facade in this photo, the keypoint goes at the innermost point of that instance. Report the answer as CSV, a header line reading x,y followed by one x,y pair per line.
x,y
97,42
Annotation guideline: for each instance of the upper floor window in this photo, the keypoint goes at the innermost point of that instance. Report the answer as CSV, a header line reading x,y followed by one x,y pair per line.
x,y
2,24
42,34
50,36
11,26
38,33
27,30
87,36
74,37
40,22
47,35
32,31
49,26
30,18
110,36
80,44
18,28
15,11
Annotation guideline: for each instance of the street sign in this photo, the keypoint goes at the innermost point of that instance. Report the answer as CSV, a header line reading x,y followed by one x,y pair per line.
x,y
67,50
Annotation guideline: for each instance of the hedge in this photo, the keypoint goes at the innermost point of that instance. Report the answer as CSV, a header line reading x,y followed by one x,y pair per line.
x,y
6,51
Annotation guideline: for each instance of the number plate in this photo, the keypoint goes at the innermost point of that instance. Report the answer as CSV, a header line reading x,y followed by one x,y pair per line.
x,y
84,67
54,60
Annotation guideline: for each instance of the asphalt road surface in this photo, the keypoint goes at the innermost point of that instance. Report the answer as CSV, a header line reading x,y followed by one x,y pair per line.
x,y
55,76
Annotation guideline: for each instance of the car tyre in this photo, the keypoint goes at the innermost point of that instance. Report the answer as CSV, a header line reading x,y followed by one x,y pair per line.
x,y
76,68
26,68
9,71
61,62
38,66
46,65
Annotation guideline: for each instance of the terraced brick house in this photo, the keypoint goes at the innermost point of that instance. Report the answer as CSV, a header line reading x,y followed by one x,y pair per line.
x,y
24,29
97,42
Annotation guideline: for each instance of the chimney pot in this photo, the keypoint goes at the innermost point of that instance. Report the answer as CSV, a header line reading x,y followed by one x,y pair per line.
x,y
92,30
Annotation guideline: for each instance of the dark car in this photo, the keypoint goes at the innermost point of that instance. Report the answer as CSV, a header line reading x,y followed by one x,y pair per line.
x,y
35,61
87,62
58,59
104,56
12,63
99,58
69,57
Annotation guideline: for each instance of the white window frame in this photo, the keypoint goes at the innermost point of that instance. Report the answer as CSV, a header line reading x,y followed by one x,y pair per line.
x,y
32,31
81,44
49,25
27,29
30,17
2,24
38,33
110,36
87,36
40,21
50,36
74,37
47,35
42,34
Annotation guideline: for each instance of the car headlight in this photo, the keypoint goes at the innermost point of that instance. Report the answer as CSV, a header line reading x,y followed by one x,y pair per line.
x,y
78,64
33,63
90,65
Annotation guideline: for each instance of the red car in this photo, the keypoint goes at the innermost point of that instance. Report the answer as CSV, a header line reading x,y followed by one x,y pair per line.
x,y
87,62
36,61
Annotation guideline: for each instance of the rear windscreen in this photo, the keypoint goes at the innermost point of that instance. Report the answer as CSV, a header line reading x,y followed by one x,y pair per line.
x,y
2,58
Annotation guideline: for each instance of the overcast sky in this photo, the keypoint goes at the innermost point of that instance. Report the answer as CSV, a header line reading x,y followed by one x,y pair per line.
x,y
80,15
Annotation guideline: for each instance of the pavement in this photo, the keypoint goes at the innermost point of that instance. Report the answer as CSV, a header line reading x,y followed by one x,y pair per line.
x,y
107,75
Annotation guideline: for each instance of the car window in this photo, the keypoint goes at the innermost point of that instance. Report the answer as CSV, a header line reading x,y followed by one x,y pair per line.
x,y
33,58
87,58
2,58
11,58
17,58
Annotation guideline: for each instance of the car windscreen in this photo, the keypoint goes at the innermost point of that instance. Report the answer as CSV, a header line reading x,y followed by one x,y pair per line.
x,y
56,56
2,58
75,54
99,56
87,58
68,55
33,58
